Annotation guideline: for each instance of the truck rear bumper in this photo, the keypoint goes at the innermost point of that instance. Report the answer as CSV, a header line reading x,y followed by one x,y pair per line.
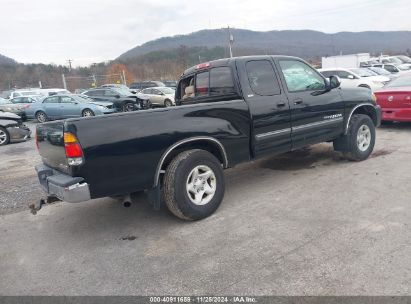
x,y
64,187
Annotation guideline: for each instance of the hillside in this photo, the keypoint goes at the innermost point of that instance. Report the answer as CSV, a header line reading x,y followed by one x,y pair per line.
x,y
303,43
6,60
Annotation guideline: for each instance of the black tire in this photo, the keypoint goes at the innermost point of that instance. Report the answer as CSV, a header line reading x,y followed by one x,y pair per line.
x,y
168,103
41,117
177,175
4,137
348,144
128,107
87,113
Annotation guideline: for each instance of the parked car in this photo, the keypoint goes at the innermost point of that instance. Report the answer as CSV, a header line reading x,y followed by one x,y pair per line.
x,y
123,100
7,106
160,96
382,72
171,84
22,93
358,77
395,99
12,129
67,106
115,85
242,109
146,84
394,69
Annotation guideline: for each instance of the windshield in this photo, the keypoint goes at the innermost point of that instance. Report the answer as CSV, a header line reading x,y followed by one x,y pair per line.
x,y
394,60
83,98
122,91
404,59
363,72
166,90
403,81
379,71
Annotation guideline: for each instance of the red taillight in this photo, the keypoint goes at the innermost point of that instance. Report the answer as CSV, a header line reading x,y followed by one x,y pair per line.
x,y
73,150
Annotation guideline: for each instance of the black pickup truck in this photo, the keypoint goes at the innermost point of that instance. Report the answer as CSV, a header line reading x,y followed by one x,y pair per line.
x,y
228,111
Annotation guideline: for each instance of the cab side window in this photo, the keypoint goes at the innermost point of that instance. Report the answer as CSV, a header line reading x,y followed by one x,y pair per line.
x,y
300,76
221,81
262,78
202,84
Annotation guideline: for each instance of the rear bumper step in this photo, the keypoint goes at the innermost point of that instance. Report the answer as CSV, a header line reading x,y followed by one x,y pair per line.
x,y
65,187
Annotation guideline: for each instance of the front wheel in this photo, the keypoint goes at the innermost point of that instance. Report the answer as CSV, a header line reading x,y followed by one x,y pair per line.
x,y
360,139
41,117
87,113
4,137
168,103
194,185
128,107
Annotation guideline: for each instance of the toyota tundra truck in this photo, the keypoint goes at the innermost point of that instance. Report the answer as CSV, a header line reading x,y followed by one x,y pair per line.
x,y
227,112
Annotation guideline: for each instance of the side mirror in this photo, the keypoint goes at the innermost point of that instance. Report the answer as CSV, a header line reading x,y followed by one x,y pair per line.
x,y
350,77
335,82
133,92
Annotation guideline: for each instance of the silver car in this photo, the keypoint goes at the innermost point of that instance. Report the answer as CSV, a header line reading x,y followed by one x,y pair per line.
x,y
160,96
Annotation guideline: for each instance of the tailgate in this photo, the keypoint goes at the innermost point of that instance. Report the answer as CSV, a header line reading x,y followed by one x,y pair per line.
x,y
50,138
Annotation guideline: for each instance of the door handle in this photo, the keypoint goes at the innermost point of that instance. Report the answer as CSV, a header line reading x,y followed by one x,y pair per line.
x,y
280,104
298,101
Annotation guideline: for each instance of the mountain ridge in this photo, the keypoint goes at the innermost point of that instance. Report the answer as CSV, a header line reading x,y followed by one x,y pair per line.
x,y
302,43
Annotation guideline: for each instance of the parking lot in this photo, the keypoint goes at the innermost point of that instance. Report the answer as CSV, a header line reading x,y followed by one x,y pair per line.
x,y
302,223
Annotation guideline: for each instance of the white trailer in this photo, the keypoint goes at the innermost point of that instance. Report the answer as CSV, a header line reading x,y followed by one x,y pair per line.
x,y
344,61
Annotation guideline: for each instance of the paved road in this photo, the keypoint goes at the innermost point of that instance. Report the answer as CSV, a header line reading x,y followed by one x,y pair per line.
x,y
304,223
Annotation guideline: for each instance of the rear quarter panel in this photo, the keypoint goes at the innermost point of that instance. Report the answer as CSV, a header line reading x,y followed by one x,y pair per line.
x,y
122,151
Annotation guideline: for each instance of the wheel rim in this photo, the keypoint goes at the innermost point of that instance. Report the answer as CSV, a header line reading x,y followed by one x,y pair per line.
x,y
129,107
168,103
364,138
201,185
88,114
3,137
41,117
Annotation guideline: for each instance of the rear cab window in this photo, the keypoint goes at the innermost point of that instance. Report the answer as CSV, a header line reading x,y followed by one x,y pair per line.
x,y
209,85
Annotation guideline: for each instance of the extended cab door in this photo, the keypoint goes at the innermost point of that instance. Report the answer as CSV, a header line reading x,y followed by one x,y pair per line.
x,y
268,104
316,113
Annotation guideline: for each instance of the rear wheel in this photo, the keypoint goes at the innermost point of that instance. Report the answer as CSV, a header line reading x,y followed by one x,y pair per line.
x,y
4,136
194,185
359,142
168,103
87,113
128,107
41,117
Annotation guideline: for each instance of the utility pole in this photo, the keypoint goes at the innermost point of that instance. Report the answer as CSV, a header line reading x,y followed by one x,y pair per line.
x,y
69,62
64,81
124,78
230,41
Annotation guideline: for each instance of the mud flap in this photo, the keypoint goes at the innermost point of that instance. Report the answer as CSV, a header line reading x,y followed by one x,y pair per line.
x,y
155,198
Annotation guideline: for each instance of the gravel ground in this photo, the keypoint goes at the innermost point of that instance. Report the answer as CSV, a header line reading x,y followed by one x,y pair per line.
x,y
18,180
302,223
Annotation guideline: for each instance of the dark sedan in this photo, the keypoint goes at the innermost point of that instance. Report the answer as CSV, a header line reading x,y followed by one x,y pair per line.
x,y
12,129
123,99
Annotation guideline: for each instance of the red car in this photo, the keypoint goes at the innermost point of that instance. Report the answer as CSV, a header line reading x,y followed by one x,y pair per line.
x,y
395,99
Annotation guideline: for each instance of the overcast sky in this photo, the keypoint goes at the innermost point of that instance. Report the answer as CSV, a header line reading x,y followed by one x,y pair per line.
x,y
87,31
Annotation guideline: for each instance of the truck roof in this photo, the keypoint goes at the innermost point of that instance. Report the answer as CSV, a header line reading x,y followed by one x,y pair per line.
x,y
228,61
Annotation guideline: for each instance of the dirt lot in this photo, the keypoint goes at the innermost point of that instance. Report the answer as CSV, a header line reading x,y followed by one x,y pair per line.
x,y
303,223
